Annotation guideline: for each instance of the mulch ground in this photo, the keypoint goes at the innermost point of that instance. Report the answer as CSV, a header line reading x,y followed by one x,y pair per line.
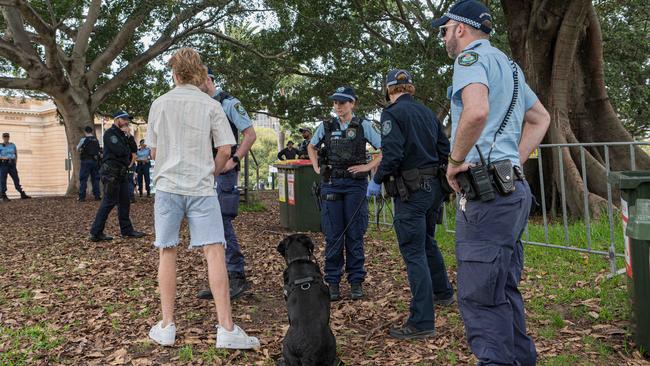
x,y
98,301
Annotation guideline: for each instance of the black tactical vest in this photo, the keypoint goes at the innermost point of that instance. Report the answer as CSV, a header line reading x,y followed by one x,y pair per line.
x,y
90,149
344,148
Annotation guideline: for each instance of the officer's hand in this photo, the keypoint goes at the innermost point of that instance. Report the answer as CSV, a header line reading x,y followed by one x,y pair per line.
x,y
363,168
374,189
452,171
230,165
317,169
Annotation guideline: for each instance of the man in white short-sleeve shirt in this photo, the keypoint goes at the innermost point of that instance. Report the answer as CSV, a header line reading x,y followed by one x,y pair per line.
x,y
182,124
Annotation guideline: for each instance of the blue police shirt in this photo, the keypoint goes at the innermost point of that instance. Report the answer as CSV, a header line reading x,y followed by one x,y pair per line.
x,y
481,63
8,151
235,112
369,133
143,154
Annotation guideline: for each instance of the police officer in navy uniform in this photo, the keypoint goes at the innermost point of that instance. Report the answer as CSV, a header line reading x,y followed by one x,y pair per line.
x,y
344,171
414,146
89,150
494,108
117,157
226,184
143,158
130,173
302,148
8,162
288,153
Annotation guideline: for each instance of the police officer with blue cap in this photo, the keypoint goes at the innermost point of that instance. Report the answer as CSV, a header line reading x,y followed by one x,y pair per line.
x,y
414,146
116,161
344,171
493,109
227,185
8,163
89,151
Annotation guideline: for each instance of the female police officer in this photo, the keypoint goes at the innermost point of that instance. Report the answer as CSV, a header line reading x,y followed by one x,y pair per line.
x,y
344,172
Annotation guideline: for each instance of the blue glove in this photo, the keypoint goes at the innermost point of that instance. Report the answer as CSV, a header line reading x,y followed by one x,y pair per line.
x,y
374,189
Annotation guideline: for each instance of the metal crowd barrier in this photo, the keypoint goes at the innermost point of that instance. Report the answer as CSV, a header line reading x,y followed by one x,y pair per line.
x,y
609,247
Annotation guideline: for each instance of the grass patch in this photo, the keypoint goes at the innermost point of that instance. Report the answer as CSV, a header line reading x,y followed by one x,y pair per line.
x,y
186,354
256,206
24,344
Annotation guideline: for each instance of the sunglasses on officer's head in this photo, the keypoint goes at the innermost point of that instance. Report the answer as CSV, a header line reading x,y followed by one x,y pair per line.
x,y
443,29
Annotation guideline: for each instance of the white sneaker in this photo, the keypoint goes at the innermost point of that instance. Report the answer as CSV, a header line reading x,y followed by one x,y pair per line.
x,y
237,339
163,336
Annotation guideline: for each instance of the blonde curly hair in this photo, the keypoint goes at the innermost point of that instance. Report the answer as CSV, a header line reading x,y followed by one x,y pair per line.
x,y
187,66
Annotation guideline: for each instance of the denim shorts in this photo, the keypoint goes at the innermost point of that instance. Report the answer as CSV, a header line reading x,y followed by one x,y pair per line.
x,y
203,217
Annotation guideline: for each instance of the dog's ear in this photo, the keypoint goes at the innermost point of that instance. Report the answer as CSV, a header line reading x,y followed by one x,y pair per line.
x,y
306,240
282,247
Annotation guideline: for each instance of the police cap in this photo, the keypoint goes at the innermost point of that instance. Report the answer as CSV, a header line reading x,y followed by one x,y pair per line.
x,y
471,12
344,94
122,114
397,77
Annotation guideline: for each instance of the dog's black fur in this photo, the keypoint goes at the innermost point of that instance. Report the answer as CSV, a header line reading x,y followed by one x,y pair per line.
x,y
309,340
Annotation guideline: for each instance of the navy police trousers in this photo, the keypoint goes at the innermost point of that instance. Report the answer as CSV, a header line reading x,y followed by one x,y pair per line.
x,y
89,168
348,208
115,194
229,201
414,223
490,258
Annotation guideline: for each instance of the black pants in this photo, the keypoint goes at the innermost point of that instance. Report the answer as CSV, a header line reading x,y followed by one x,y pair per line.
x,y
116,192
143,174
8,167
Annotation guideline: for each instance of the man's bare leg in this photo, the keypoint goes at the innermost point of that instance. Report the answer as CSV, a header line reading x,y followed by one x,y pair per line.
x,y
215,255
167,283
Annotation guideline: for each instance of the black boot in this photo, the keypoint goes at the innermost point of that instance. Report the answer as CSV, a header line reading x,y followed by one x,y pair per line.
x,y
24,195
356,291
238,284
5,198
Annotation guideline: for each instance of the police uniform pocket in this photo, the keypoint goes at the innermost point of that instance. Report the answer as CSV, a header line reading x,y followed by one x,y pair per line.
x,y
480,273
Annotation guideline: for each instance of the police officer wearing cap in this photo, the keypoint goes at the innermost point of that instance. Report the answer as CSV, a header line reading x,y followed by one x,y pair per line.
x,y
117,158
491,107
89,149
130,172
8,161
288,153
143,169
227,185
344,170
414,146
302,148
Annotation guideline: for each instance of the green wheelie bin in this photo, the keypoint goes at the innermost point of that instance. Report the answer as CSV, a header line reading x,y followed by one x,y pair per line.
x,y
635,211
298,206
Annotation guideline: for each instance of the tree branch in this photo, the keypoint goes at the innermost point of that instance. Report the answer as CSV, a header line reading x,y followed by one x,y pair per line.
x,y
21,83
241,45
83,37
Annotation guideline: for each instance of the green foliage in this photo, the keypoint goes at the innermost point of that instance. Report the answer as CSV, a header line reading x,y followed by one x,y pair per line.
x,y
625,26
265,150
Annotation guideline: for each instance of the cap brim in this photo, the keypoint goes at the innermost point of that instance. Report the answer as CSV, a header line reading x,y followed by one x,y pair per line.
x,y
440,21
339,98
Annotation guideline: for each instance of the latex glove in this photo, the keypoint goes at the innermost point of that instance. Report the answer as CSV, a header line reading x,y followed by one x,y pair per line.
x,y
374,189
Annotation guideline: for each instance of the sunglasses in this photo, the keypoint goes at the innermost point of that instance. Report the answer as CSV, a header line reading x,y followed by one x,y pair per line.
x,y
443,29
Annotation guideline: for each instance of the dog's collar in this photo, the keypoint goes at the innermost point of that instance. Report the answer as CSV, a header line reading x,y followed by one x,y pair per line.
x,y
306,258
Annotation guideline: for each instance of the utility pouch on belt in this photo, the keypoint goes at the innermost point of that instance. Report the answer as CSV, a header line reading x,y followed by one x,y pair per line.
x,y
503,176
411,179
475,183
402,190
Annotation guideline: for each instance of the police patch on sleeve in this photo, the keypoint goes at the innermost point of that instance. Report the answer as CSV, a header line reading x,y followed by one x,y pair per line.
x,y
114,140
467,58
240,109
386,126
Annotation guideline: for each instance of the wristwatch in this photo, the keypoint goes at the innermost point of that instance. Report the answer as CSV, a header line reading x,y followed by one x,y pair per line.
x,y
235,158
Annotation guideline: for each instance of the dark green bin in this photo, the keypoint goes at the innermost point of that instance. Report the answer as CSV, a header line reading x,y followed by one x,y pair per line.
x,y
635,207
298,207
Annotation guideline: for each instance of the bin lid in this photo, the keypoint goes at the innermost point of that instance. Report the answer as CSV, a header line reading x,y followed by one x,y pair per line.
x,y
629,179
638,225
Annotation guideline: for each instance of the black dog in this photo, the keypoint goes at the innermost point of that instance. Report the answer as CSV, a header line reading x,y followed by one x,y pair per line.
x,y
309,340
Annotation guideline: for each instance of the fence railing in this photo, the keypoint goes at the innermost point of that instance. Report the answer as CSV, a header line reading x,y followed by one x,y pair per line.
x,y
602,237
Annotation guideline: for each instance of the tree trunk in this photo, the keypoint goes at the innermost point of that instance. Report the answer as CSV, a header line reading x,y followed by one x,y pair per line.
x,y
558,44
77,117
